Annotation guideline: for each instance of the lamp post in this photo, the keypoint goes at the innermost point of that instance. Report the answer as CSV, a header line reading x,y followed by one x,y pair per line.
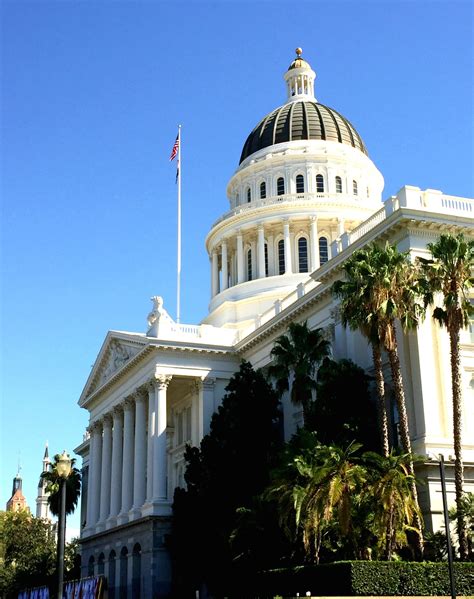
x,y
63,468
446,524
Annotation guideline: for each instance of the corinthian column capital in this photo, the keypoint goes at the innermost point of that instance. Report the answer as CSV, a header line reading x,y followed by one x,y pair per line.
x,y
162,380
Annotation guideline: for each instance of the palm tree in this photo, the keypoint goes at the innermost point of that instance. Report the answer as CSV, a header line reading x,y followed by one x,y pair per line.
x,y
386,288
296,357
313,487
73,487
450,272
395,506
354,309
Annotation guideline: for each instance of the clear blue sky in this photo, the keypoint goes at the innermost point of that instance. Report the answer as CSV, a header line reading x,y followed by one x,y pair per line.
x,y
92,93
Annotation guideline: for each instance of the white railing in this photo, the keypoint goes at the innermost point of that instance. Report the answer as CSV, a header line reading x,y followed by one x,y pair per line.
x,y
288,197
367,225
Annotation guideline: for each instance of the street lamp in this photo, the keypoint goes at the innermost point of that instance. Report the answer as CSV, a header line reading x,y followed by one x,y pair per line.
x,y
446,525
63,468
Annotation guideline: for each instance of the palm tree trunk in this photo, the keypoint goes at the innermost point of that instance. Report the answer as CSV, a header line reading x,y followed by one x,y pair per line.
x,y
389,538
457,438
404,429
382,409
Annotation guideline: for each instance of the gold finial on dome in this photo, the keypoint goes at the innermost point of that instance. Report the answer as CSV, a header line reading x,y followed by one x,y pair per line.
x,y
299,52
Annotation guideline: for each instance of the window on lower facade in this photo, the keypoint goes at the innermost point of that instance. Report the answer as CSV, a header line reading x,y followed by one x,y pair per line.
x,y
249,195
280,186
263,190
249,265
319,184
299,184
266,260
303,254
323,250
354,188
281,257
338,185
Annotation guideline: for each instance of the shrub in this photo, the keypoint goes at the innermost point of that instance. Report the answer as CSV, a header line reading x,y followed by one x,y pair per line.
x,y
368,578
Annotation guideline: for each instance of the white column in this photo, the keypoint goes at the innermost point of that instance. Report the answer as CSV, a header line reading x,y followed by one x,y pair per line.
x,y
127,465
253,247
205,390
261,252
314,244
340,227
139,467
116,477
159,440
105,475
225,272
215,274
271,255
240,258
149,449
287,240
95,463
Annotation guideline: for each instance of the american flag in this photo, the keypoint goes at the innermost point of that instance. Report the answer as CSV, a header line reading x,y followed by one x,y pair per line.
x,y
174,151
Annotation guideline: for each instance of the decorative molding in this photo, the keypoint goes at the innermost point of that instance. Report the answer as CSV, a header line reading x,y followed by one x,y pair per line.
x,y
107,420
127,403
162,380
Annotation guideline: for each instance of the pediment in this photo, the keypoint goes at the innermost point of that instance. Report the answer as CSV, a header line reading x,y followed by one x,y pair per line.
x,y
117,351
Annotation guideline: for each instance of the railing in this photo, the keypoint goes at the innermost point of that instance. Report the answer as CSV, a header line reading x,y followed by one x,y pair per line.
x,y
367,225
288,197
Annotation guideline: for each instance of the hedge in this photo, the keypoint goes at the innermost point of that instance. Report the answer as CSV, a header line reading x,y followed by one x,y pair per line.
x,y
367,578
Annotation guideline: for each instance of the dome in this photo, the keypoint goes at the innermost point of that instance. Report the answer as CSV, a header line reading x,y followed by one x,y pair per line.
x,y
301,120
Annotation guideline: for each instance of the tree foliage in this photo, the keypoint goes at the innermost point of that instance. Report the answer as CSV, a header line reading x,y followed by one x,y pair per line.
x,y
27,551
296,357
73,487
225,473
449,273
340,417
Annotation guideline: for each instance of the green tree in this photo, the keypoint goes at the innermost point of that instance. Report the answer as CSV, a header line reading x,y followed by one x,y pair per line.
x,y
225,473
449,272
73,487
355,308
467,513
396,510
313,487
27,552
339,417
296,357
387,289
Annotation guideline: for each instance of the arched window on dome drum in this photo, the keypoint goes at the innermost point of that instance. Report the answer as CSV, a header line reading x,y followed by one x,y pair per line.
x,y
249,195
338,185
281,257
354,187
319,184
237,199
323,250
249,265
263,190
266,259
280,186
299,184
303,254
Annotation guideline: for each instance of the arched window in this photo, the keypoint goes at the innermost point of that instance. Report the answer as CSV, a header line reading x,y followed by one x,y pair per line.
x,y
354,187
263,190
136,570
123,573
299,184
319,184
303,254
323,250
281,257
111,576
101,564
338,185
249,195
266,260
280,186
90,566
249,265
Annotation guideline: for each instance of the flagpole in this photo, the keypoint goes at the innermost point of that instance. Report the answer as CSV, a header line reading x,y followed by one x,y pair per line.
x,y
178,282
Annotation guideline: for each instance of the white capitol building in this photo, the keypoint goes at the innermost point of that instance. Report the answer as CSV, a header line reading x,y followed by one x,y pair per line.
x,y
304,196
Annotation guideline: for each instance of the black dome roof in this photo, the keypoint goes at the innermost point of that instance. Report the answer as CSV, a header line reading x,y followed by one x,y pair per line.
x,y
302,119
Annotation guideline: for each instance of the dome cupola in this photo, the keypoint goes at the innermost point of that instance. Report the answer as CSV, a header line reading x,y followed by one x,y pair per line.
x,y
304,180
